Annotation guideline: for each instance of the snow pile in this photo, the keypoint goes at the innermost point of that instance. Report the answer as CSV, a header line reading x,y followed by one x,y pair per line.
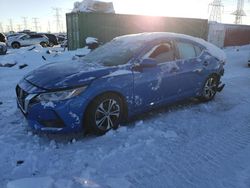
x,y
92,43
91,40
93,6
35,56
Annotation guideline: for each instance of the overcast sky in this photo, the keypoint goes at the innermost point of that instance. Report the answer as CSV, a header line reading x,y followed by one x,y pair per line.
x,y
43,10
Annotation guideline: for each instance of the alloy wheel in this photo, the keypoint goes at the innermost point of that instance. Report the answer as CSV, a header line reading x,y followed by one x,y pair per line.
x,y
210,88
107,114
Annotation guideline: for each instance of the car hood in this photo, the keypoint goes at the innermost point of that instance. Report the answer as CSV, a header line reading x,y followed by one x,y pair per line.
x,y
55,76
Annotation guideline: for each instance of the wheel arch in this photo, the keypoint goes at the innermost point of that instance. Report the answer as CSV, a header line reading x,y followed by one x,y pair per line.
x,y
215,74
123,98
15,42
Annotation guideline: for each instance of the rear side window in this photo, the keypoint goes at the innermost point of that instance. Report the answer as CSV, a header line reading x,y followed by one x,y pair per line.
x,y
36,36
186,50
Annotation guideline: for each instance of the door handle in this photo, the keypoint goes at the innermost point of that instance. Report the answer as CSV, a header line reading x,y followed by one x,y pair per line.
x,y
173,70
205,63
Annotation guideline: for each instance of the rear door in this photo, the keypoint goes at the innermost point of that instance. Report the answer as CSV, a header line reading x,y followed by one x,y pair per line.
x,y
25,40
35,39
191,66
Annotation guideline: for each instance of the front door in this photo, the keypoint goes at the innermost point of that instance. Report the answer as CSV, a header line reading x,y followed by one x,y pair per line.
x,y
155,85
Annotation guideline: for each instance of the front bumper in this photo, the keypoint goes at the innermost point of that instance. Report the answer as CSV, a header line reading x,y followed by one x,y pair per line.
x,y
53,117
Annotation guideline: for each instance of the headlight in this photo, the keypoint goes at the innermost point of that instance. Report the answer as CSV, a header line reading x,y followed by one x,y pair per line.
x,y
60,95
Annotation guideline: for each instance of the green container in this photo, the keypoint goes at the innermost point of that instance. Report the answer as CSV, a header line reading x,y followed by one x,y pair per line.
x,y
107,26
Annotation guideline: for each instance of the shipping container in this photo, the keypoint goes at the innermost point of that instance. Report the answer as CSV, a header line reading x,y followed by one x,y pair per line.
x,y
237,35
107,26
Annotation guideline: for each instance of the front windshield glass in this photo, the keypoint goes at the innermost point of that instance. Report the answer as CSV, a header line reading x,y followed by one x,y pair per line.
x,y
117,52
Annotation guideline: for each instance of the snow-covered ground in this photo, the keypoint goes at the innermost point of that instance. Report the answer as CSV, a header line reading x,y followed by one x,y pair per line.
x,y
196,145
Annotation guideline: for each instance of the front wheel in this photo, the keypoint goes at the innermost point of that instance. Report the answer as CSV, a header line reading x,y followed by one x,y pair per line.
x,y
15,45
104,113
210,88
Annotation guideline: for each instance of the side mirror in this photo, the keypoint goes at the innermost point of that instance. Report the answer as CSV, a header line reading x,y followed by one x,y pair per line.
x,y
148,63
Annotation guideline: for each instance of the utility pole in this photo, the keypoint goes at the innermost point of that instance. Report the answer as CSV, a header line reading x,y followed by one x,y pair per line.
x,y
58,19
216,11
8,28
35,22
49,28
25,24
11,25
19,27
239,13
1,27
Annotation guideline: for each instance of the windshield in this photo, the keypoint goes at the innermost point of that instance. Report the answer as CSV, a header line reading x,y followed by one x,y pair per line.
x,y
117,52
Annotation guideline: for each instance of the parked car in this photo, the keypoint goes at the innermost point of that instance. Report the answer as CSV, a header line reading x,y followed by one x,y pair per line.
x,y
3,38
61,38
127,76
27,40
3,48
52,39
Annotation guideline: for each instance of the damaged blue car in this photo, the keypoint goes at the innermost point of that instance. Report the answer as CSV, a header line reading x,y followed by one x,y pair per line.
x,y
127,76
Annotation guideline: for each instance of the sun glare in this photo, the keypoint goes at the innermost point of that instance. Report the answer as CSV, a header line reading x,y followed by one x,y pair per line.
x,y
176,8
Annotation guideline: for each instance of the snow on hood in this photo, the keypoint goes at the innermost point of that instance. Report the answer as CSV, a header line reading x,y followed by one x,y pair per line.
x,y
93,6
68,74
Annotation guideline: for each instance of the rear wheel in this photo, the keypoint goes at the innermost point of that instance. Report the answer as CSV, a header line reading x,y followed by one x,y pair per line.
x,y
15,45
43,44
210,88
104,113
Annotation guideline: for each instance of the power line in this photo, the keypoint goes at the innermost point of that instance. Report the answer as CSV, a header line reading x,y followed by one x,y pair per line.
x,y
25,23
11,25
239,13
58,20
36,22
49,28
216,10
1,27
19,27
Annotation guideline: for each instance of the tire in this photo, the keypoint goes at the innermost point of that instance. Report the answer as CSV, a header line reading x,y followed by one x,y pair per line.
x,y
15,45
51,44
210,88
43,44
104,113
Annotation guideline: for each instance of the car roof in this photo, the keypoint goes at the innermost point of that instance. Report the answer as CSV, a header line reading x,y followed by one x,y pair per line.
x,y
151,36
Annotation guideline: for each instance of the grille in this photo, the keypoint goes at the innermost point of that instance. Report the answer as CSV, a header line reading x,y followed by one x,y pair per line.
x,y
21,95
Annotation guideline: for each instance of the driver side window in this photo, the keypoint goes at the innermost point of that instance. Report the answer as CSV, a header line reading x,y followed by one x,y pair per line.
x,y
161,53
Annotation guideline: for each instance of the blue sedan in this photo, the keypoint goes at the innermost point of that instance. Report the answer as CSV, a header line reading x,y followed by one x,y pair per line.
x,y
127,76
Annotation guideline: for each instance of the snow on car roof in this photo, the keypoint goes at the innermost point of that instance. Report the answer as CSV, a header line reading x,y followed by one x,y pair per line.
x,y
212,49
